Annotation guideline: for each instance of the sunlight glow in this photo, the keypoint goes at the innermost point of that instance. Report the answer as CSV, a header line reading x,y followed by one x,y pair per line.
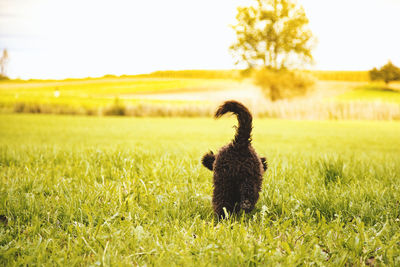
x,y
60,38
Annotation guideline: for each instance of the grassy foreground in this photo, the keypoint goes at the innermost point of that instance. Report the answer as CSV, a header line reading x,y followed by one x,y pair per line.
x,y
123,191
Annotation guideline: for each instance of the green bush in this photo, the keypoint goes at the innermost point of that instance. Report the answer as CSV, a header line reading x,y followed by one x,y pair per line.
x,y
281,84
117,109
386,73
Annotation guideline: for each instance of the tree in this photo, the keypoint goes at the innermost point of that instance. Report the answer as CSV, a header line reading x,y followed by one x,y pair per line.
x,y
272,36
386,73
3,64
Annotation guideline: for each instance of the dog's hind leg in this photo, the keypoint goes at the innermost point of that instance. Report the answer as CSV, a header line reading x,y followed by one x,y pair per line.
x,y
248,195
225,196
208,160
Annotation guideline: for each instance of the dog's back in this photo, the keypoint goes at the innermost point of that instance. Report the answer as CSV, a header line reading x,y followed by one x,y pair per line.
x,y
237,168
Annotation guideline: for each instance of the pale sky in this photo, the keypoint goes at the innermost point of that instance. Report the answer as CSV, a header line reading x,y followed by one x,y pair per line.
x,y
81,38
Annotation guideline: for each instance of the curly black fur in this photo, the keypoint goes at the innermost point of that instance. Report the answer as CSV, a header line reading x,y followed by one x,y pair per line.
x,y
237,168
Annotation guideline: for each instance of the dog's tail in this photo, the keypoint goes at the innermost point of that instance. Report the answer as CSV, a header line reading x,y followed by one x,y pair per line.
x,y
243,132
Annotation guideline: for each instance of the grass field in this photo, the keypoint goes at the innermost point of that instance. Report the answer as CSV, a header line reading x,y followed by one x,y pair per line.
x,y
95,92
102,91
123,191
372,93
197,93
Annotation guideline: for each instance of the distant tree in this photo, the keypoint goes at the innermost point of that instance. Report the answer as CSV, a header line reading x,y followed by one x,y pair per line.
x,y
3,64
387,73
272,33
272,36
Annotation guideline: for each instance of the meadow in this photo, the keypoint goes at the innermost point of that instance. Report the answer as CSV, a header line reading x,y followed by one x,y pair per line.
x,y
93,93
79,190
372,92
336,95
97,92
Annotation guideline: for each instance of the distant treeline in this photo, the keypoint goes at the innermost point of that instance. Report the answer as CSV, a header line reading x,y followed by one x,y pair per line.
x,y
200,74
234,74
360,76
338,75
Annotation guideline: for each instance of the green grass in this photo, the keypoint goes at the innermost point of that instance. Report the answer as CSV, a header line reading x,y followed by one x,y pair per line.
x,y
135,96
102,91
372,93
99,92
123,191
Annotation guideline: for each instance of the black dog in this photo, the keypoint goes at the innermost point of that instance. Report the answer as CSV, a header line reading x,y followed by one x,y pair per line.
x,y
237,168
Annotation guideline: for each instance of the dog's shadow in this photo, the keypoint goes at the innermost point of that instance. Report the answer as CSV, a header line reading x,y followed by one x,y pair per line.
x,y
257,214
229,217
